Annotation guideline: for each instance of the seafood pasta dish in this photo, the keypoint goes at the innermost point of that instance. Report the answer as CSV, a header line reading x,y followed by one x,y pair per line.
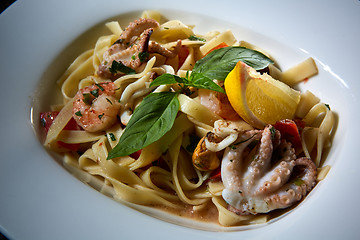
x,y
206,126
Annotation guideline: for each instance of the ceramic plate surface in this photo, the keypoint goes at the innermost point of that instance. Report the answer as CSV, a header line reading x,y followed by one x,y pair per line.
x,y
39,199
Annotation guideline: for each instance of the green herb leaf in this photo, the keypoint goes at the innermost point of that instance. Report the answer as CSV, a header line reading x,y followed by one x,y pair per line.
x,y
298,182
99,86
143,56
168,78
120,67
218,63
112,137
199,80
109,101
151,120
273,132
88,98
328,106
195,38
95,92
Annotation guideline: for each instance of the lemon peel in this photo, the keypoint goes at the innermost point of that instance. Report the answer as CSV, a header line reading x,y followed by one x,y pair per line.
x,y
258,98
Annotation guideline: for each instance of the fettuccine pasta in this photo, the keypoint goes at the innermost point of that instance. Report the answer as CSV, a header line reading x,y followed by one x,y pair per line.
x,y
181,162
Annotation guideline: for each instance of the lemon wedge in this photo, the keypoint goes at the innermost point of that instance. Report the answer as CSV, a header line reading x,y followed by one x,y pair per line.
x,y
258,98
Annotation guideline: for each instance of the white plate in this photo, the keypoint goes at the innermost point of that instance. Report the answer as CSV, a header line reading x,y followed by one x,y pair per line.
x,y
40,200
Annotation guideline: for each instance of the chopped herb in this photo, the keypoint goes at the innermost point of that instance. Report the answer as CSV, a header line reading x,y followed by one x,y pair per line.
x,y
328,106
166,28
133,57
298,182
240,192
88,98
118,41
120,67
109,101
112,137
101,115
99,86
43,122
95,92
195,38
78,113
273,132
143,56
199,165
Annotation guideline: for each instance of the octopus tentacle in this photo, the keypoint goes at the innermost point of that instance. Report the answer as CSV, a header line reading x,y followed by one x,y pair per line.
x,y
135,29
155,47
310,172
266,177
296,189
231,164
280,173
130,57
231,167
129,49
261,161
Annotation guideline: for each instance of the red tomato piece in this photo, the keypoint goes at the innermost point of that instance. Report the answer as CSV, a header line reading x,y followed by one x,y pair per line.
x,y
183,54
289,131
136,154
47,118
221,45
216,174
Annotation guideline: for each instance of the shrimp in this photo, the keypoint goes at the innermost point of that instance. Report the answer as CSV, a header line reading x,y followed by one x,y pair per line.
x,y
95,108
218,103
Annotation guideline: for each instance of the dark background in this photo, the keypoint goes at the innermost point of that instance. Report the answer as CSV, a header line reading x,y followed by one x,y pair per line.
x,y
3,5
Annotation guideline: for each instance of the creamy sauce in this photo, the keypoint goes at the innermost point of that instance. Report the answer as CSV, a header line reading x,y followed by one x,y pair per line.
x,y
208,213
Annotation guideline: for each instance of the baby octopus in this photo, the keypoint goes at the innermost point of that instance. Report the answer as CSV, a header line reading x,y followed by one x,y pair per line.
x,y
260,173
132,49
259,169
95,108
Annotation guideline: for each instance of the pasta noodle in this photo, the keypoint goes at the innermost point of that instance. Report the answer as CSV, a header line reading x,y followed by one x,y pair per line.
x,y
163,174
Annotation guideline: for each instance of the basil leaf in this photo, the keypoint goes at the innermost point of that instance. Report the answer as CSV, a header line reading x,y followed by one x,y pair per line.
x,y
199,80
167,78
151,120
120,67
218,63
